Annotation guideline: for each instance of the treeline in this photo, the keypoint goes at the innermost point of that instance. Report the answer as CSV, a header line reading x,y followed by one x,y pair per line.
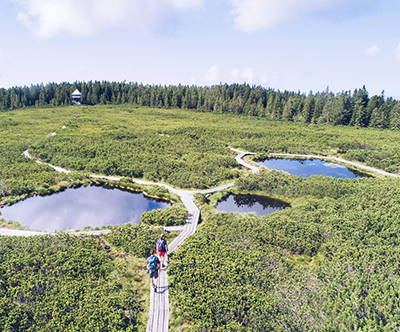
x,y
345,108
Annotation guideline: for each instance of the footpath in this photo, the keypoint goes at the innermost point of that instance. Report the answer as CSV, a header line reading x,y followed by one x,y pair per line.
x,y
158,317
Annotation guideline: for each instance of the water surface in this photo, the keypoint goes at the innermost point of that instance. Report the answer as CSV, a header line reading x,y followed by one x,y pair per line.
x,y
308,167
77,208
259,205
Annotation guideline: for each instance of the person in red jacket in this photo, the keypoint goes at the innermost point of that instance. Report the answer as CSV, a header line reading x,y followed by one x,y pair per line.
x,y
162,249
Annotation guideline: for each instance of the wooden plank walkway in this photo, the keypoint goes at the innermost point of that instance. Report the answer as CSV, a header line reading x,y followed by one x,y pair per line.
x,y
240,161
159,302
159,305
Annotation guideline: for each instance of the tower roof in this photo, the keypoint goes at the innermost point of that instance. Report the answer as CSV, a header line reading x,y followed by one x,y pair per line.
x,y
76,93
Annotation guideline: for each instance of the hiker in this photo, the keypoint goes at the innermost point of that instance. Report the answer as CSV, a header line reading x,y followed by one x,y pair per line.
x,y
153,265
162,249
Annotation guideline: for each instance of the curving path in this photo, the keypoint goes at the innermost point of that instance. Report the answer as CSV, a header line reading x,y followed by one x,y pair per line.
x,y
239,159
158,317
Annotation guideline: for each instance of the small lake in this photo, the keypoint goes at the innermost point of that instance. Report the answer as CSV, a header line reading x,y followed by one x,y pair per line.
x,y
260,205
308,167
80,207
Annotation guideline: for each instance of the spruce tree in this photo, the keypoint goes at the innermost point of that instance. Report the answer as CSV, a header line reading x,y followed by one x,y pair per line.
x,y
395,118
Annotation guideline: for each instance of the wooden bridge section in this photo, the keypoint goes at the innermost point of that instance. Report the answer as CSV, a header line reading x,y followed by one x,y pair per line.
x,y
159,305
159,302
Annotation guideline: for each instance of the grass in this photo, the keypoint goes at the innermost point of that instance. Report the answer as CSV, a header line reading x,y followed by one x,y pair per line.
x,y
10,224
304,260
193,136
131,272
177,321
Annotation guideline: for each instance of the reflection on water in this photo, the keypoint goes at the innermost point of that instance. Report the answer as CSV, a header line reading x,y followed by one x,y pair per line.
x,y
77,208
308,167
260,205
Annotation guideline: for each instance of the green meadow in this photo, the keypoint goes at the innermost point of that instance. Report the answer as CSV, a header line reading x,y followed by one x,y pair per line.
x,y
329,262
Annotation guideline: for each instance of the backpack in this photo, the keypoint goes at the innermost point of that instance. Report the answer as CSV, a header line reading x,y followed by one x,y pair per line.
x,y
153,261
161,245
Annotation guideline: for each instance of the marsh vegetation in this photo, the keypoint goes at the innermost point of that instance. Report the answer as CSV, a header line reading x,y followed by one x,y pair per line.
x,y
327,262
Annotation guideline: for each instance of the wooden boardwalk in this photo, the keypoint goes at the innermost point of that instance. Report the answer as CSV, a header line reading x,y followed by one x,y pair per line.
x,y
159,302
240,161
159,305
158,318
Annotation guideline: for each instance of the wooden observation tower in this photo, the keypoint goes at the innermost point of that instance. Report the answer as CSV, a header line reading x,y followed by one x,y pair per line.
x,y
76,97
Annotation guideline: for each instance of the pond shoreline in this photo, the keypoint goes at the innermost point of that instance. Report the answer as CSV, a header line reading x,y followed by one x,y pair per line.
x,y
112,181
11,200
340,160
86,207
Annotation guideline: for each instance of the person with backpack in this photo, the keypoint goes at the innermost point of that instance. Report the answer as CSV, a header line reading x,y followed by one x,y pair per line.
x,y
162,249
153,265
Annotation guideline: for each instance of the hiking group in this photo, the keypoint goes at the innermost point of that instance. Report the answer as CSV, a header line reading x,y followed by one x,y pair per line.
x,y
155,263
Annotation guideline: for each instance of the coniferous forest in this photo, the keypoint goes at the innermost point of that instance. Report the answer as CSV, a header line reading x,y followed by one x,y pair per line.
x,y
354,108
328,262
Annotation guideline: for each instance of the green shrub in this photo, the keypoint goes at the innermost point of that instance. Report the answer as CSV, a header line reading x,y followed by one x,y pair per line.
x,y
175,215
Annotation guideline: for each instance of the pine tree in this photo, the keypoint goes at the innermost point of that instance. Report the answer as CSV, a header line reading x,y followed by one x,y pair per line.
x,y
340,113
288,111
395,117
270,106
260,109
318,107
374,118
360,115
325,117
277,109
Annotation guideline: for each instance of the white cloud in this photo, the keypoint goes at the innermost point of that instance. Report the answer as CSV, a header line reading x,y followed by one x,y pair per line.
x,y
47,18
397,49
264,79
235,73
186,4
373,50
248,75
252,15
212,75
215,76
193,81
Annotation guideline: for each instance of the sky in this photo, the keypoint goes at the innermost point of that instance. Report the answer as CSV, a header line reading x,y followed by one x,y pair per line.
x,y
294,45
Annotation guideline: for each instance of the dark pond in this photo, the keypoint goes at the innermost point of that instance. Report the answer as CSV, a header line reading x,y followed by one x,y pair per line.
x,y
308,167
260,205
77,208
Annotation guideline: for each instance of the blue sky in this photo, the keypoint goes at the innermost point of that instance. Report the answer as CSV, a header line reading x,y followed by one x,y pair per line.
x,y
287,44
